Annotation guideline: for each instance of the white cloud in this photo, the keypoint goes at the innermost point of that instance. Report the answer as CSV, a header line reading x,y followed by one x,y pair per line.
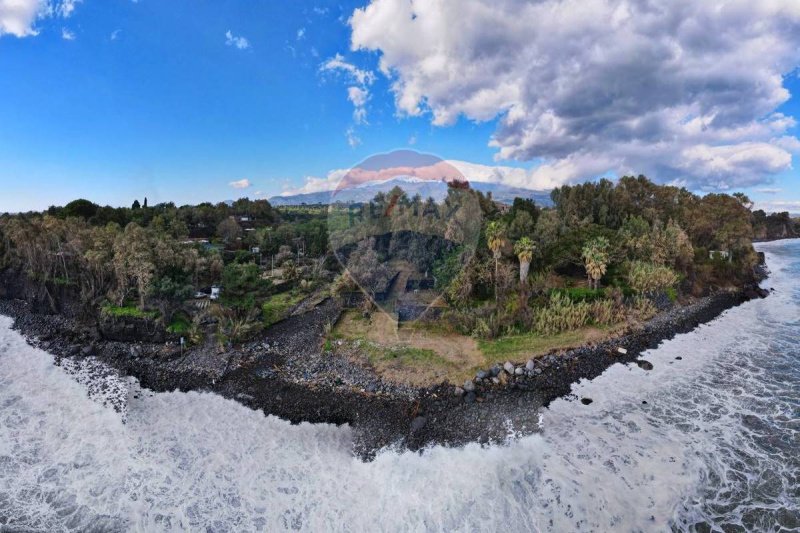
x,y
301,34
681,90
352,139
240,184
236,41
338,64
357,93
19,17
115,35
779,206
315,184
412,140
358,97
533,178
769,190
66,7
67,35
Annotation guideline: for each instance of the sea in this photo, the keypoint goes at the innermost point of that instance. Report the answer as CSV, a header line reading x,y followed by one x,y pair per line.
x,y
707,440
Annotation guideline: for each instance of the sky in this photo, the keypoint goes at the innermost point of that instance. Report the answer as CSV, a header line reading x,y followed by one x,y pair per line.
x,y
187,101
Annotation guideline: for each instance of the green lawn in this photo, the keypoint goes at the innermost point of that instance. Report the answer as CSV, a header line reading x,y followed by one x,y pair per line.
x,y
277,306
518,347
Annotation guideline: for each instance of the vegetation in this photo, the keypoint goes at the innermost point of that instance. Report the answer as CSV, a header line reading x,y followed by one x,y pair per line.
x,y
276,307
512,278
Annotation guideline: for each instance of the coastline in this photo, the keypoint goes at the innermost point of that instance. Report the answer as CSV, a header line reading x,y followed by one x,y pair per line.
x,y
286,374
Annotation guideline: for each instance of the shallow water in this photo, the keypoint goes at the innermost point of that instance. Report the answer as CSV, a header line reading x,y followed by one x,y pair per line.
x,y
708,442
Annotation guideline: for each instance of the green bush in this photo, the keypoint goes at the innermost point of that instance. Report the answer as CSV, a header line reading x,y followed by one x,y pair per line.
x,y
647,278
180,324
561,314
580,294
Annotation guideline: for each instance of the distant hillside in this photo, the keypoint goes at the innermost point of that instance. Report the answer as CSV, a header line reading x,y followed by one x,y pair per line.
x,y
437,190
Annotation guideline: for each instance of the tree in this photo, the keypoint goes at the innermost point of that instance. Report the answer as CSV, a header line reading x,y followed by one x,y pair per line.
x,y
133,261
136,205
495,239
240,286
145,202
229,230
80,208
595,257
524,249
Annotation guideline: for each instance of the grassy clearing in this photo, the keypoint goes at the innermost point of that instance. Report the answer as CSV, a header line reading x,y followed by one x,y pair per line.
x,y
518,347
128,311
411,365
277,306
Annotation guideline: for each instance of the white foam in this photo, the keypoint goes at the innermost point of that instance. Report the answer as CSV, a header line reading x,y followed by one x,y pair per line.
x,y
192,461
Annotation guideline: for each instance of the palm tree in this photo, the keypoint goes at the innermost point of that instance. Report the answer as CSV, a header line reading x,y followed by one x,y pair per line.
x,y
495,238
524,249
595,258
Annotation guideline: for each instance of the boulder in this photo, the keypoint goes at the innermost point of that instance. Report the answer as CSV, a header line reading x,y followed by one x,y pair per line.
x,y
418,423
508,367
469,386
529,365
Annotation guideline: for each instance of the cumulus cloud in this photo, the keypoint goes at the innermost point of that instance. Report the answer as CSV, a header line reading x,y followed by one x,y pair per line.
x,y
240,184
67,35
316,184
236,41
684,91
19,17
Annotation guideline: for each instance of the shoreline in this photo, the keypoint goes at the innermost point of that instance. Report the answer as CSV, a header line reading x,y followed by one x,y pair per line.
x,y
284,373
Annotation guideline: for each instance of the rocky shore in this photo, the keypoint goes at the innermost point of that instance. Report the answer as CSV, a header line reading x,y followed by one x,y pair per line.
x,y
287,373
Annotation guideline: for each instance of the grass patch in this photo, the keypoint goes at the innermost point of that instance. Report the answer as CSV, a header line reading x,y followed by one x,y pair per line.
x,y
277,306
402,354
128,311
180,325
518,347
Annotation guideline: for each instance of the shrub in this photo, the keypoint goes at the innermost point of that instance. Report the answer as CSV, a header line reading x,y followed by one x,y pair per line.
x,y
581,294
647,278
561,314
179,324
644,308
604,312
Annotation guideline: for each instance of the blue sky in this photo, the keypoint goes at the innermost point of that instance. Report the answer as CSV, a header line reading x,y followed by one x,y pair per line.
x,y
115,100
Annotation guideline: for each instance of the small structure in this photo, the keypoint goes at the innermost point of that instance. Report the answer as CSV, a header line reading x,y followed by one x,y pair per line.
x,y
719,254
215,293
503,208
